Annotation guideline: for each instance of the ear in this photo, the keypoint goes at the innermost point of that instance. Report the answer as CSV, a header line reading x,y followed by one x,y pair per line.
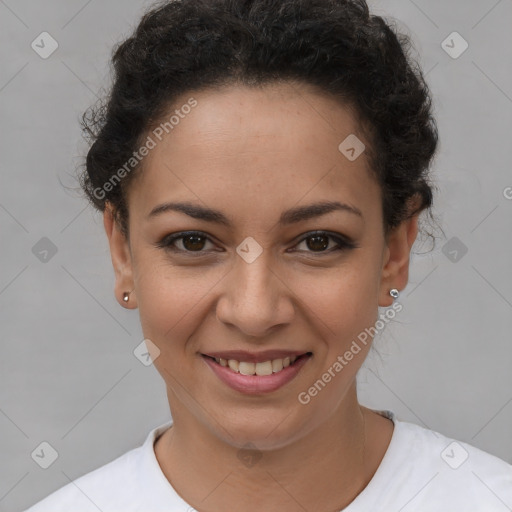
x,y
121,259
395,264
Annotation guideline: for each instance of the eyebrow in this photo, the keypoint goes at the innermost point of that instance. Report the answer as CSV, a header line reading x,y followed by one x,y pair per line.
x,y
291,216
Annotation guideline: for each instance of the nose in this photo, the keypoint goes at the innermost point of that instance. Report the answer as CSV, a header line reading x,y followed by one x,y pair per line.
x,y
256,298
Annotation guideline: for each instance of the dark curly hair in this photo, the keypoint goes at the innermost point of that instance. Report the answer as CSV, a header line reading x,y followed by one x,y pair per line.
x,y
335,46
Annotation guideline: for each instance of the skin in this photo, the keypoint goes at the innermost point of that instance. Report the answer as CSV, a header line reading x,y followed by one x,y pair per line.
x,y
252,154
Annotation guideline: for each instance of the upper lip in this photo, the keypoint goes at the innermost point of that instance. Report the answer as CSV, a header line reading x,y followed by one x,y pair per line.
x,y
255,357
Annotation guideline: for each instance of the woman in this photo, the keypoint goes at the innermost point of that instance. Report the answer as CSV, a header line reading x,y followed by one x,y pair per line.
x,y
261,168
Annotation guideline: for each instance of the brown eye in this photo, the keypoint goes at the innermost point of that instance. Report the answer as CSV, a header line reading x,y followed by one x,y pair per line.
x,y
197,242
323,242
317,242
191,242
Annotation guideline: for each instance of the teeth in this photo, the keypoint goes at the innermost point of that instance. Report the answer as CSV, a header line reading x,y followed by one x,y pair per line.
x,y
277,365
263,368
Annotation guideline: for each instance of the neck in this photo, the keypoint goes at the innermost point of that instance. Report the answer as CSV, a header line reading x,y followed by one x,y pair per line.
x,y
324,470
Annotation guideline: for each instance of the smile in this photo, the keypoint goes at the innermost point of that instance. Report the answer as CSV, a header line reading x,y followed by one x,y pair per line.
x,y
260,377
263,368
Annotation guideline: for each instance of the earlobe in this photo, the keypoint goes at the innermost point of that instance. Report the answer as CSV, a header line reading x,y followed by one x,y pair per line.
x,y
129,300
121,260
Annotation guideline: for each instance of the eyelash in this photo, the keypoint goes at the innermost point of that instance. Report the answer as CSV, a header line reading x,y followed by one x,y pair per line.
x,y
342,242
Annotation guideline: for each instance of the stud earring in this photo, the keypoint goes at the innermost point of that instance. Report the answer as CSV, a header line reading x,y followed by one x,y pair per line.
x,y
394,293
126,296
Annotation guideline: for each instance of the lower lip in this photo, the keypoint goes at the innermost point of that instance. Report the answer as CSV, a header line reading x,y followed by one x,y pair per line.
x,y
256,384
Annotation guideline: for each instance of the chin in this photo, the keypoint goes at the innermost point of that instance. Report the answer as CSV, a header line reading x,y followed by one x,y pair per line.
x,y
263,435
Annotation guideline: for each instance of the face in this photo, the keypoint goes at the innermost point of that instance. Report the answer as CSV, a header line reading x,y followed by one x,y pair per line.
x,y
263,269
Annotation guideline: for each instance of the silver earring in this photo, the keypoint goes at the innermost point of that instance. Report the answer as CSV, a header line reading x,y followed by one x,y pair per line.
x,y
126,296
394,293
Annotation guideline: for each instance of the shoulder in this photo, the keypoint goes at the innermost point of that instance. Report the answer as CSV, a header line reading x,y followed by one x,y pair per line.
x,y
434,448
87,492
117,485
431,471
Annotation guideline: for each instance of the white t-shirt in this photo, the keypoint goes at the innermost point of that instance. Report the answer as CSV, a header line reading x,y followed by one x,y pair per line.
x,y
421,471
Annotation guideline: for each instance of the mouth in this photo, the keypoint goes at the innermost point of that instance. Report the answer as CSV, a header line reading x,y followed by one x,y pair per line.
x,y
260,368
257,378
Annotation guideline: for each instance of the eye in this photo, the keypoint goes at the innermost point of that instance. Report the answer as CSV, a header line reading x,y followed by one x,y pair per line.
x,y
321,242
190,242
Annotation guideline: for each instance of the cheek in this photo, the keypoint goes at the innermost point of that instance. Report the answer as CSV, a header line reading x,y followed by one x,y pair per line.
x,y
344,299
170,300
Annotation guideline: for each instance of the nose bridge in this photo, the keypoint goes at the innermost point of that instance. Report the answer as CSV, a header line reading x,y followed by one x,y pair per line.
x,y
252,270
255,280
255,299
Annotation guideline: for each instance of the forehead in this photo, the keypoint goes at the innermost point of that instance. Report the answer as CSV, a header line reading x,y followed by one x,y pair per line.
x,y
276,145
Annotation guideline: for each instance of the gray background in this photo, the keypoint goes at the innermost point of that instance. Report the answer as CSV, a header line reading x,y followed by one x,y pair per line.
x,y
68,373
